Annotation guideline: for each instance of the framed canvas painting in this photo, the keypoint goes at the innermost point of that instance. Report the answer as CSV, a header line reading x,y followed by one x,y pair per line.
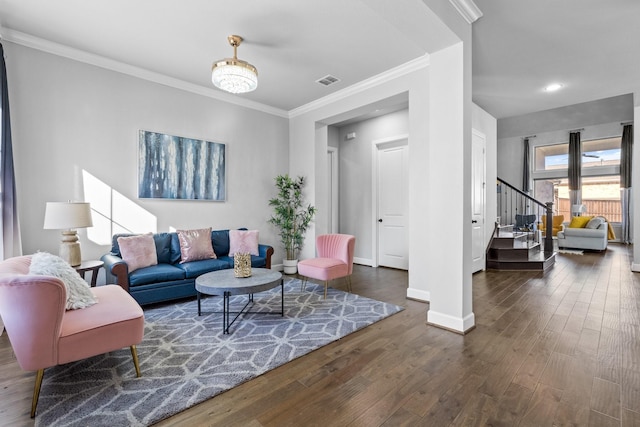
x,y
174,167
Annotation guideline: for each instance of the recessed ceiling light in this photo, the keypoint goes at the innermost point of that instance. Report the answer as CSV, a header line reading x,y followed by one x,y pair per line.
x,y
553,87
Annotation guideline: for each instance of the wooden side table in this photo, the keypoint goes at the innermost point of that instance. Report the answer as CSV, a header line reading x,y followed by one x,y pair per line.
x,y
93,266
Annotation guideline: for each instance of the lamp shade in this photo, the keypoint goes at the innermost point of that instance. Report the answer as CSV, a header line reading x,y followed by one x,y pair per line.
x,y
67,215
578,208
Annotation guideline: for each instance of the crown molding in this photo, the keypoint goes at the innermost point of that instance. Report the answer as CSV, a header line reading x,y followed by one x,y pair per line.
x,y
386,76
467,9
141,73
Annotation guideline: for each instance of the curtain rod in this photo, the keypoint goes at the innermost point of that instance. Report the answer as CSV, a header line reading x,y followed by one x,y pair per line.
x,y
626,123
530,136
576,130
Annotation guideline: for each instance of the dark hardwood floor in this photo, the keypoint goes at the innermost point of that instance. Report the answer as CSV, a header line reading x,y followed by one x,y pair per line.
x,y
560,348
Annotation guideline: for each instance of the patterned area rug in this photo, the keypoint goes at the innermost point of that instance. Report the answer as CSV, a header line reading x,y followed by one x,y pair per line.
x,y
185,359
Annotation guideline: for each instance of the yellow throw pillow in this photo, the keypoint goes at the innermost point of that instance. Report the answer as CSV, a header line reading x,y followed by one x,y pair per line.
x,y
579,221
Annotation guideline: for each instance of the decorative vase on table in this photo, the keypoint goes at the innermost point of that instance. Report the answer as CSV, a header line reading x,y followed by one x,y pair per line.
x,y
242,264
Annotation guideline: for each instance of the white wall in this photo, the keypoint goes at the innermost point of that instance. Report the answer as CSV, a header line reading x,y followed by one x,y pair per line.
x,y
356,214
306,139
75,137
440,147
487,124
448,183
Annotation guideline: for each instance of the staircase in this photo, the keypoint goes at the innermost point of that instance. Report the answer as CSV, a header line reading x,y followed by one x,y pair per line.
x,y
517,250
517,243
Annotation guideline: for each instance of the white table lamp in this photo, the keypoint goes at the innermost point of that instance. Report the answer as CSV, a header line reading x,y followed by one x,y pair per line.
x,y
578,210
68,216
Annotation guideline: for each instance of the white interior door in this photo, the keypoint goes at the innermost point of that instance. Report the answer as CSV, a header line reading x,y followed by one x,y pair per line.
x,y
393,204
478,198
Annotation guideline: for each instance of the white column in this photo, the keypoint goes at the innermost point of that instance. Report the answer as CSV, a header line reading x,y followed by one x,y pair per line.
x,y
449,216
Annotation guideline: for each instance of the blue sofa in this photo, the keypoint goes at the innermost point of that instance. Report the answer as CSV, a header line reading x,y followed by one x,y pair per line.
x,y
170,279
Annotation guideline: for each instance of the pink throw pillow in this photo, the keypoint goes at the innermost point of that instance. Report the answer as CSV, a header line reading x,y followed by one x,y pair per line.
x,y
195,245
243,241
138,251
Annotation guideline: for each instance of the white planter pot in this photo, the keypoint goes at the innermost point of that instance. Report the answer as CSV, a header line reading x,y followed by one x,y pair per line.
x,y
290,266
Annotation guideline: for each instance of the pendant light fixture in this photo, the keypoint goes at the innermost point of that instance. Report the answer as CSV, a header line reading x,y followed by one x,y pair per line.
x,y
232,74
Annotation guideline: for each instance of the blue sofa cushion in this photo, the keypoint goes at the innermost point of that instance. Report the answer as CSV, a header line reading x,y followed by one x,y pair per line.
x,y
175,249
196,268
163,247
155,273
220,242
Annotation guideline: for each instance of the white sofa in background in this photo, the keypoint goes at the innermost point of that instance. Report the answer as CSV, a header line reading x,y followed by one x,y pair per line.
x,y
593,236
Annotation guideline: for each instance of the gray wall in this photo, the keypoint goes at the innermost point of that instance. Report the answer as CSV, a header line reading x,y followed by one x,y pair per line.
x,y
356,214
599,119
75,137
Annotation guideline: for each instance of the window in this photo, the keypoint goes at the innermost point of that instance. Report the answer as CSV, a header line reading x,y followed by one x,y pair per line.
x,y
549,157
601,152
600,177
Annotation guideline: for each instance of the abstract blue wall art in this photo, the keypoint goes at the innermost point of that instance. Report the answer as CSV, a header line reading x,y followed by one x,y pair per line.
x,y
173,167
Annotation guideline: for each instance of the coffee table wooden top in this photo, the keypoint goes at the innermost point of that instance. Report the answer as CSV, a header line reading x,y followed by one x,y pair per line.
x,y
221,281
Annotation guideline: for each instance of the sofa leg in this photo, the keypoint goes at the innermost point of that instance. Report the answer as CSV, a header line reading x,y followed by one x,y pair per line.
x,y
36,392
136,363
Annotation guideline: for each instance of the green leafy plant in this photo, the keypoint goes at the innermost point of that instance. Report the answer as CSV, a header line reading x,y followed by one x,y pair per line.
x,y
290,216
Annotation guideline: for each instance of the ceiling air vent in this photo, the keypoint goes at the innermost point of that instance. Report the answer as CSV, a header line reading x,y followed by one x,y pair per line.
x,y
328,80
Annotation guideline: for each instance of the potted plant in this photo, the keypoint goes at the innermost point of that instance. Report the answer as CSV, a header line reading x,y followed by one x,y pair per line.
x,y
291,217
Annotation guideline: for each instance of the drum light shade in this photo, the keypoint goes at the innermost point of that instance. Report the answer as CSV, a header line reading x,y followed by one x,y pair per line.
x,y
232,74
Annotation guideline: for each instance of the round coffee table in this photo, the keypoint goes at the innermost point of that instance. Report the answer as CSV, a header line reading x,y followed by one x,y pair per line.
x,y
225,283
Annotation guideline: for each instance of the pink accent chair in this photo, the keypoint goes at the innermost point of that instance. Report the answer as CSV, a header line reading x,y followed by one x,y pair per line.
x,y
335,260
44,334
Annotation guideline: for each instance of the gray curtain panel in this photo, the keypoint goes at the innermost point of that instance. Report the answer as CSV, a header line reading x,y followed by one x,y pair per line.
x,y
526,168
626,153
11,242
575,166
575,161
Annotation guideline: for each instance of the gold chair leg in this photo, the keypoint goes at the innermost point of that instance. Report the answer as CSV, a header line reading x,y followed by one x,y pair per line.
x,y
326,285
348,279
134,353
36,392
303,285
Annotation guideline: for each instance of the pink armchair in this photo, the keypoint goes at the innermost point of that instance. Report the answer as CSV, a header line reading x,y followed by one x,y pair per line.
x,y
44,334
335,260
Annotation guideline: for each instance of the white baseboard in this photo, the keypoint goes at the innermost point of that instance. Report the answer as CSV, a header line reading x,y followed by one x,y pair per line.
x,y
418,295
635,267
363,261
455,324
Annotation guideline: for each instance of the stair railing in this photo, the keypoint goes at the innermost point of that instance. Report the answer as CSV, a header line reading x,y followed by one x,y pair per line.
x,y
524,213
